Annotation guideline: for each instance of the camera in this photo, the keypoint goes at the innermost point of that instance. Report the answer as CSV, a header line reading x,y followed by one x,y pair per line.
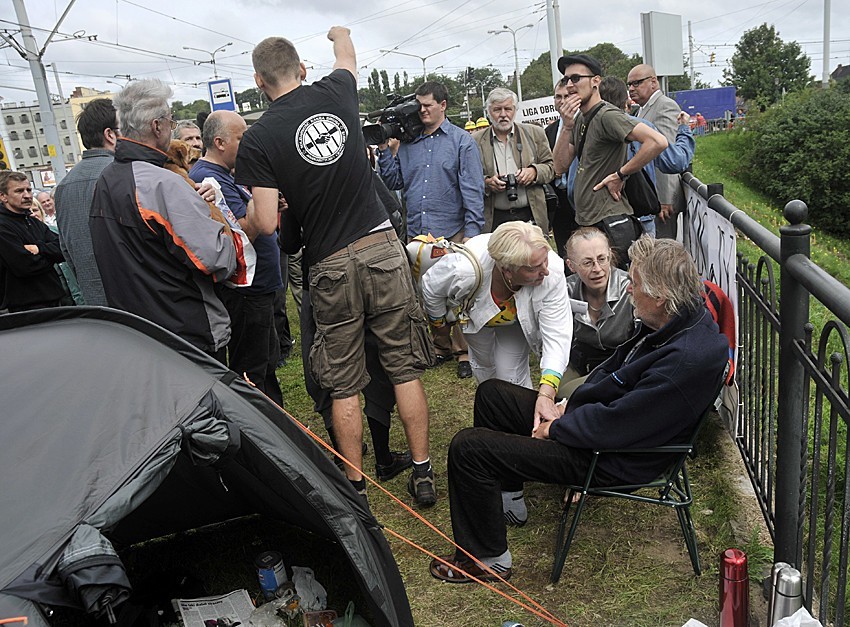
x,y
400,119
510,186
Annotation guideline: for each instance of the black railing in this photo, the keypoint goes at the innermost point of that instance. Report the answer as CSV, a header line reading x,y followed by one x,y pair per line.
x,y
792,374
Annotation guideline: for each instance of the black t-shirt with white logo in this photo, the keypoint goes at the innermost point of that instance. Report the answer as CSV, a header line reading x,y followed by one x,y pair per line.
x,y
309,146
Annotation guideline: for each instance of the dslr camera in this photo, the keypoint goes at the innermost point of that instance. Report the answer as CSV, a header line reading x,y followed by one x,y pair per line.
x,y
510,186
400,119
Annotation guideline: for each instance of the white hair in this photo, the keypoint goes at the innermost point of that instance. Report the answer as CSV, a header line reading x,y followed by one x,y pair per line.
x,y
139,103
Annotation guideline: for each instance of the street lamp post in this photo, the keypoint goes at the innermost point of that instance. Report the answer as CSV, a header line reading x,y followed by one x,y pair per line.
x,y
428,56
513,32
212,55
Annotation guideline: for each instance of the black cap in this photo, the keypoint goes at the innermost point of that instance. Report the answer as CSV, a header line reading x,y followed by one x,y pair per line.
x,y
584,59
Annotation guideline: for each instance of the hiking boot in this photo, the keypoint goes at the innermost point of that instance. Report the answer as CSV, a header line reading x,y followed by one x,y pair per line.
x,y
421,488
400,463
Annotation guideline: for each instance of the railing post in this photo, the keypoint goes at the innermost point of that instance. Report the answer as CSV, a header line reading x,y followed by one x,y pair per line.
x,y
793,315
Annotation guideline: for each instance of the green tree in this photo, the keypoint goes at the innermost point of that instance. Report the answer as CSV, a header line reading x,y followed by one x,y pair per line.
x,y
801,149
764,66
180,111
537,77
253,97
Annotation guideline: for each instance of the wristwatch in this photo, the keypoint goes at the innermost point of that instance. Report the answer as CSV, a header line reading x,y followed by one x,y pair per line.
x,y
622,176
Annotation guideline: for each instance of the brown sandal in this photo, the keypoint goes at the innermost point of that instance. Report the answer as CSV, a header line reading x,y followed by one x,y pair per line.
x,y
451,573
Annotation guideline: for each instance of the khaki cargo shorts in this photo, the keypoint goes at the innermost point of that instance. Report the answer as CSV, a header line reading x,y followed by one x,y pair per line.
x,y
366,284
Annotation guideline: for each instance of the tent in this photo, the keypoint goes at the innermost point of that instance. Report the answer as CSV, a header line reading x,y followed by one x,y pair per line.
x,y
115,431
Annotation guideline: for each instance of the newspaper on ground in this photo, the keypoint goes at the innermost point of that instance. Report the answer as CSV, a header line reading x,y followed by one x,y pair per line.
x,y
225,610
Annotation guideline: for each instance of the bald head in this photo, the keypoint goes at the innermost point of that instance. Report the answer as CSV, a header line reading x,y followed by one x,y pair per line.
x,y
223,131
642,83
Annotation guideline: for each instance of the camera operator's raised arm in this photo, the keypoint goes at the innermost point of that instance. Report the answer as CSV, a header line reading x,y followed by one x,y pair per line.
x,y
346,58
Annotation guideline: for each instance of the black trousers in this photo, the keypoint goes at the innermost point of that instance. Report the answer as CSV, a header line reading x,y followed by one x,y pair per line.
x,y
253,346
498,454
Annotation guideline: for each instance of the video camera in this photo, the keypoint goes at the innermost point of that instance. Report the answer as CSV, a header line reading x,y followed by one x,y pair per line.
x,y
400,119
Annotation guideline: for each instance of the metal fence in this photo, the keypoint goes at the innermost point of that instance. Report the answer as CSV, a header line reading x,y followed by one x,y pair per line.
x,y
792,373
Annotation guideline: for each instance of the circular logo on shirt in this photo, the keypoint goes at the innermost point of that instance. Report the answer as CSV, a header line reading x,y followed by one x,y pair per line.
x,y
320,139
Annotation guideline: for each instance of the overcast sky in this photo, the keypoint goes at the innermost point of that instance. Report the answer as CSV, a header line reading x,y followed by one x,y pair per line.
x,y
145,38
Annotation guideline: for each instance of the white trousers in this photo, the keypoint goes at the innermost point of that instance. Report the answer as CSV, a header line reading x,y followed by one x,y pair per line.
x,y
500,353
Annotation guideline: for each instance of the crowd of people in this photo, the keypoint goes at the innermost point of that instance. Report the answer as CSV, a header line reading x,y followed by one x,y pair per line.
x,y
200,227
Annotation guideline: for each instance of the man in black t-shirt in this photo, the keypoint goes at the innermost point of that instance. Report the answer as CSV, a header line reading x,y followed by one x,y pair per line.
x,y
309,147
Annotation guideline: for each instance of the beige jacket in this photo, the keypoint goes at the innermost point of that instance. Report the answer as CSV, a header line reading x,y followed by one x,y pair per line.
x,y
536,153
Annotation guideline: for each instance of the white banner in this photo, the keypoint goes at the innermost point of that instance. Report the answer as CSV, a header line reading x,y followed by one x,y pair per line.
x,y
711,240
539,111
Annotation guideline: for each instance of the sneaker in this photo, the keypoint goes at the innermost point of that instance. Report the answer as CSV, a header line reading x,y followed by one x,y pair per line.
x,y
421,488
464,370
400,463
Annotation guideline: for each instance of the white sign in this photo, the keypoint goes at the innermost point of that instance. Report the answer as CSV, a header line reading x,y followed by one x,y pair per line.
x,y
221,95
712,241
539,111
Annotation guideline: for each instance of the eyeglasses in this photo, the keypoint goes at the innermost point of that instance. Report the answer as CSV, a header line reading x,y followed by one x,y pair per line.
x,y
602,260
575,78
637,82
169,119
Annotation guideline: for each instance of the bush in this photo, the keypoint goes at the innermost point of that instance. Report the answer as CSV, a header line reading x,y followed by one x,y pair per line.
x,y
800,149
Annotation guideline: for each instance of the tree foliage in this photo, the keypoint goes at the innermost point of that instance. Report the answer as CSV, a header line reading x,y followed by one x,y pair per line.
x,y
188,111
763,66
799,150
466,86
537,77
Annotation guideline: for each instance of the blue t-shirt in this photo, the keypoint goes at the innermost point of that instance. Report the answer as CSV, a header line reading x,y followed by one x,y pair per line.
x,y
267,275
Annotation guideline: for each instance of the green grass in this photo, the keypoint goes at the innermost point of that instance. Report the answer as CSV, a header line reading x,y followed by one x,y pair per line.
x,y
628,564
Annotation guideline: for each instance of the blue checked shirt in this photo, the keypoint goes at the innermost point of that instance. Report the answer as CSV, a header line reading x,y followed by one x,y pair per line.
x,y
442,179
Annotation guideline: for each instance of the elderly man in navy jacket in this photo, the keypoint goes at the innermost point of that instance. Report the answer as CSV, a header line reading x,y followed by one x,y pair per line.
x,y
651,392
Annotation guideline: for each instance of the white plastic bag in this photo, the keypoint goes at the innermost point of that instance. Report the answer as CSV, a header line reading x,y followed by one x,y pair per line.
x,y
800,618
246,256
313,594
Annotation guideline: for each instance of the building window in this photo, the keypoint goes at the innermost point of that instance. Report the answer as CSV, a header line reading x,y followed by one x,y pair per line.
x,y
38,117
25,119
13,135
10,120
44,152
19,154
63,125
67,141
28,134
32,151
41,131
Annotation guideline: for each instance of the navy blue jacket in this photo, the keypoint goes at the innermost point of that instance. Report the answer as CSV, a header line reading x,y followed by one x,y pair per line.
x,y
650,392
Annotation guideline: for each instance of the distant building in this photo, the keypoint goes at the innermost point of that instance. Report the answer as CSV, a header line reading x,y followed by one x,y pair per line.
x,y
840,73
24,137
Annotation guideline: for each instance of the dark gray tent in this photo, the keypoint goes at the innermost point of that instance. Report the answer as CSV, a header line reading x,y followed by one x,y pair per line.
x,y
114,430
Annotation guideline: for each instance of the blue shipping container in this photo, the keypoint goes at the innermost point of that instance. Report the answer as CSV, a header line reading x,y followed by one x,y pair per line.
x,y
715,103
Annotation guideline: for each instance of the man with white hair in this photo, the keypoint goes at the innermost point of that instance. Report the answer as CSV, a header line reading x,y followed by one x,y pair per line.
x,y
157,249
46,199
650,392
517,162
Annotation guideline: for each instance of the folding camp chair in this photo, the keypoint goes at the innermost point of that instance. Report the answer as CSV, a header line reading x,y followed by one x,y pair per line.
x,y
674,490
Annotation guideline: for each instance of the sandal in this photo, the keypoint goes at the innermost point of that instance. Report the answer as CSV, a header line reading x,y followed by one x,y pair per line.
x,y
450,573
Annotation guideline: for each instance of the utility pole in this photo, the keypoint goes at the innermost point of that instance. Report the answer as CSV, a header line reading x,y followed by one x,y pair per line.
x,y
30,52
66,107
513,32
556,48
691,55
827,8
421,58
212,54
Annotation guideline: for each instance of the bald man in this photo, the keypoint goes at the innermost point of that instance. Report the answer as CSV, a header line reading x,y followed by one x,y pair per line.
x,y
662,112
253,348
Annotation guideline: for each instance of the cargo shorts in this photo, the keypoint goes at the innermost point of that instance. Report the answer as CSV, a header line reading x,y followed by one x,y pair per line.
x,y
366,284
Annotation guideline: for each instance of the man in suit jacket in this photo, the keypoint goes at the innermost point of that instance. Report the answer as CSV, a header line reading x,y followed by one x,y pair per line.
x,y
512,148
564,219
662,112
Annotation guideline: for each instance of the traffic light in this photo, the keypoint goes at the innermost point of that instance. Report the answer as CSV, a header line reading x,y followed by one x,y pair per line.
x,y
4,160
711,58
